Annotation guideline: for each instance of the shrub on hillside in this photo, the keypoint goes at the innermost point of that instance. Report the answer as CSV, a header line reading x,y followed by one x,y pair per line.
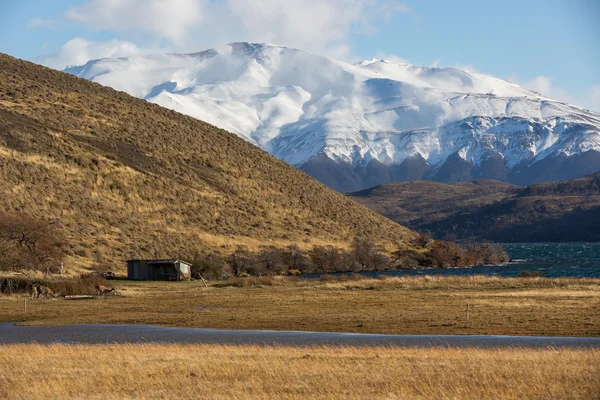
x,y
422,241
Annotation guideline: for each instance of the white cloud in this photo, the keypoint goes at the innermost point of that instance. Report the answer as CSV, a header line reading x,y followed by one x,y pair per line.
x,y
307,24
468,68
79,51
541,84
391,57
165,19
544,85
319,26
596,93
43,23
595,98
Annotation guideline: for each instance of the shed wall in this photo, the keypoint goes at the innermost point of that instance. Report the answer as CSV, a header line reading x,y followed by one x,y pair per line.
x,y
141,270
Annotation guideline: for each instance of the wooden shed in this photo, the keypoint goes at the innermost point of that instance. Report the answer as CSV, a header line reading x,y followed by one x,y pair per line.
x,y
158,270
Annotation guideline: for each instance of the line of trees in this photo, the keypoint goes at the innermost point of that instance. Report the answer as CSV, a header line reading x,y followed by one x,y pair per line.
x,y
29,243
363,255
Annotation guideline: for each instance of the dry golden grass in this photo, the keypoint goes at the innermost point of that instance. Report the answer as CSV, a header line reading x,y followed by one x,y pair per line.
x,y
130,179
452,282
243,372
411,305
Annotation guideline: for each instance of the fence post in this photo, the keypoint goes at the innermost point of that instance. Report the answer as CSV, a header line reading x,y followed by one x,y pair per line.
x,y
467,312
25,305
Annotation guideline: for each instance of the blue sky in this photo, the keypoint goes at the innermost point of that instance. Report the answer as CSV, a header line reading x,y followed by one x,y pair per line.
x,y
552,46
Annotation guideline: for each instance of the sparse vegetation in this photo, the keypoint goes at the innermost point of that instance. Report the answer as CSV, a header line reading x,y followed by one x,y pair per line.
x,y
129,179
233,372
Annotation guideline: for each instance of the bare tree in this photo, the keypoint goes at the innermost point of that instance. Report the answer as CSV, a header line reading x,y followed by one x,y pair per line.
x,y
271,259
362,248
366,255
294,258
240,260
30,243
327,258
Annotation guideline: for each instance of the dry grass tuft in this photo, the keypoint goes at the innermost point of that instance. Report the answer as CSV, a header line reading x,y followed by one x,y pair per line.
x,y
230,372
357,281
249,281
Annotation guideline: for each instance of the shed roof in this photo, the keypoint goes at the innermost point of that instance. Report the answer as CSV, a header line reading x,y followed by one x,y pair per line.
x,y
164,261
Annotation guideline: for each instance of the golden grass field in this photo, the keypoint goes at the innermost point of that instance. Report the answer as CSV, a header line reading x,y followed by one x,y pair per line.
x,y
246,372
408,305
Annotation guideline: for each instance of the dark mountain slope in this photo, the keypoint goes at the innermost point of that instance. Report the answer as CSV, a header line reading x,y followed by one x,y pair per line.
x,y
128,178
491,210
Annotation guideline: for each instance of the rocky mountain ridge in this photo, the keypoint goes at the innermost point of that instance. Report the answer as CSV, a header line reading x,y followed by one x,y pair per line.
x,y
361,125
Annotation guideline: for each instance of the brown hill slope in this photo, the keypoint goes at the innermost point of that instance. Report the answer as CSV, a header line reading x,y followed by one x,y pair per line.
x,y
491,210
128,178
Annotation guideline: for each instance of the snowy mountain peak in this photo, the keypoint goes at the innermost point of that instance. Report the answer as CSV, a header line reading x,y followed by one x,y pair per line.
x,y
366,63
355,125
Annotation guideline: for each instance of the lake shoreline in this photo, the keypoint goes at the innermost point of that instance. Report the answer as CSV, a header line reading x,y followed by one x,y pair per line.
x,y
546,259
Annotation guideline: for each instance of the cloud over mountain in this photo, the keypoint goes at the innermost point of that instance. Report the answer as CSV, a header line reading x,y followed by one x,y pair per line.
x,y
319,26
358,125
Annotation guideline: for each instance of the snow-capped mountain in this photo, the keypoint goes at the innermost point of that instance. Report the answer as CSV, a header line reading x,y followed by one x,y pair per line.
x,y
355,126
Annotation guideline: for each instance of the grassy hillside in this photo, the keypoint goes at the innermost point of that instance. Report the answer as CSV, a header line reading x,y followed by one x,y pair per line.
x,y
421,203
127,178
557,211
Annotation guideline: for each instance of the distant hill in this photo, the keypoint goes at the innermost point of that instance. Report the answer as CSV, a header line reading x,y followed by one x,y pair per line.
x,y
491,210
128,178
